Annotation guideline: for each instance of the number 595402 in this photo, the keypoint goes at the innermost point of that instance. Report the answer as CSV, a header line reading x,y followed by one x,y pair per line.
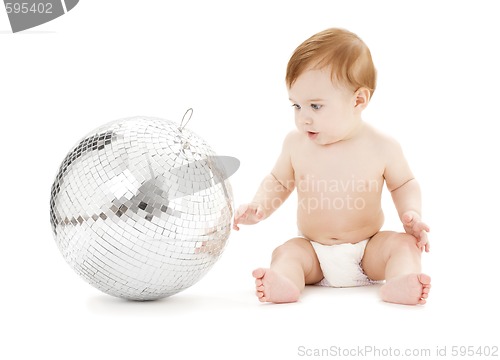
x,y
25,8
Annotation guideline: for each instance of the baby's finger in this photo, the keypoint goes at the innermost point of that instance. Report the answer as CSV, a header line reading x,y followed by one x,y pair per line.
x,y
259,212
427,242
424,241
418,228
238,215
235,224
421,226
420,246
241,210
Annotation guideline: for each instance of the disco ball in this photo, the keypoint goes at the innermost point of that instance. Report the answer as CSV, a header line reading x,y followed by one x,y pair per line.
x,y
141,208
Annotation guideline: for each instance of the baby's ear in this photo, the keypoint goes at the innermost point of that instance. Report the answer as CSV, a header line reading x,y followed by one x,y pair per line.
x,y
362,97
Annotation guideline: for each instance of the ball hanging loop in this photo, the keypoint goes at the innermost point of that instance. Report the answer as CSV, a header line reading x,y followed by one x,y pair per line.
x,y
190,112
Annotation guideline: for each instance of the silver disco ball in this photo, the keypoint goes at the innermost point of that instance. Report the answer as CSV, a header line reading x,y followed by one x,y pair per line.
x,y
141,208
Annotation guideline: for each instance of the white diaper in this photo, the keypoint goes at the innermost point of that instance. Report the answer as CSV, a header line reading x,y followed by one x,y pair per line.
x,y
341,264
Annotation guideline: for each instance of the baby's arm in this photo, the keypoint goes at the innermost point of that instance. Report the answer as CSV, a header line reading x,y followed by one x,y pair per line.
x,y
405,192
273,190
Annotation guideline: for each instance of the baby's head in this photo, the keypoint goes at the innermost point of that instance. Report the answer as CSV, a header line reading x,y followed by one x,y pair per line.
x,y
343,52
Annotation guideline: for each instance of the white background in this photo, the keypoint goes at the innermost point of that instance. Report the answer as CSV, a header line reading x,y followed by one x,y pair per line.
x,y
438,66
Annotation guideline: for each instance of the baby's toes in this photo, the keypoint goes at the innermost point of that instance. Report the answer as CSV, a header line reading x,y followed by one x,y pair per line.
x,y
260,296
425,291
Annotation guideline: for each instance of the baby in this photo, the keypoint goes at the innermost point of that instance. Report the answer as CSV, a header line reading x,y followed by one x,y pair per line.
x,y
338,165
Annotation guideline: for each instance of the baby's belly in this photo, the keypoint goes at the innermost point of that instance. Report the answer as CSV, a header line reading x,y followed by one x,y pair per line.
x,y
337,223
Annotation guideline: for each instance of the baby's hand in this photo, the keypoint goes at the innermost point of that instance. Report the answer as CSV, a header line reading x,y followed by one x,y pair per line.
x,y
248,214
414,226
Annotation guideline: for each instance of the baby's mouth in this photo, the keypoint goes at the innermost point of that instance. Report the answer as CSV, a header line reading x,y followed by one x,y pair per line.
x,y
312,134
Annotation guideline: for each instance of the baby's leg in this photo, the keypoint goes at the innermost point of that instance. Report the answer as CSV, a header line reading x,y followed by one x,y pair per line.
x,y
294,264
395,257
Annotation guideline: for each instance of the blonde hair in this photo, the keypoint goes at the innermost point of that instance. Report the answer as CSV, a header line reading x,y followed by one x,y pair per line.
x,y
344,52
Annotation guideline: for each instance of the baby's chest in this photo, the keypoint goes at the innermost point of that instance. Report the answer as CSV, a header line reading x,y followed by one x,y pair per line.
x,y
352,173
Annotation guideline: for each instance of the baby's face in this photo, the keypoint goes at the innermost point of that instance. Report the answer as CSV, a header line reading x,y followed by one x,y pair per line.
x,y
325,112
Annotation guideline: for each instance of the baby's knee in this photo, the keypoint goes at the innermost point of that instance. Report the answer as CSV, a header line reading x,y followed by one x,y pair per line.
x,y
405,241
291,248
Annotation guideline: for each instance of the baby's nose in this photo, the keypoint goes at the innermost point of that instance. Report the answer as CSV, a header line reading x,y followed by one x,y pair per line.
x,y
305,118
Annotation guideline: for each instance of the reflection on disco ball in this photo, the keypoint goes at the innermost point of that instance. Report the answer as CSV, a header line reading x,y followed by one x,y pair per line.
x,y
142,208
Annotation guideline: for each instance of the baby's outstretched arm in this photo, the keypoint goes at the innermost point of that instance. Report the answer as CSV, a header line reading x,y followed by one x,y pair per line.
x,y
269,197
273,190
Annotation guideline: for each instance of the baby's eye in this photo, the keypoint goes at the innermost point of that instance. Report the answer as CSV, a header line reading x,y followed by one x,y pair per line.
x,y
296,106
316,106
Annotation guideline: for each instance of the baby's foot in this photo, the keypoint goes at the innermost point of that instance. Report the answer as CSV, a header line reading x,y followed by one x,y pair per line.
x,y
410,289
273,287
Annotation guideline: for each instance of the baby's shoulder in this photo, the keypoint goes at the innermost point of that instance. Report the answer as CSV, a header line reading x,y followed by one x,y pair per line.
x,y
292,139
380,139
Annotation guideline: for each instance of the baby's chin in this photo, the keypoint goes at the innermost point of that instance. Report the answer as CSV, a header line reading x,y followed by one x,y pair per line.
x,y
323,140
